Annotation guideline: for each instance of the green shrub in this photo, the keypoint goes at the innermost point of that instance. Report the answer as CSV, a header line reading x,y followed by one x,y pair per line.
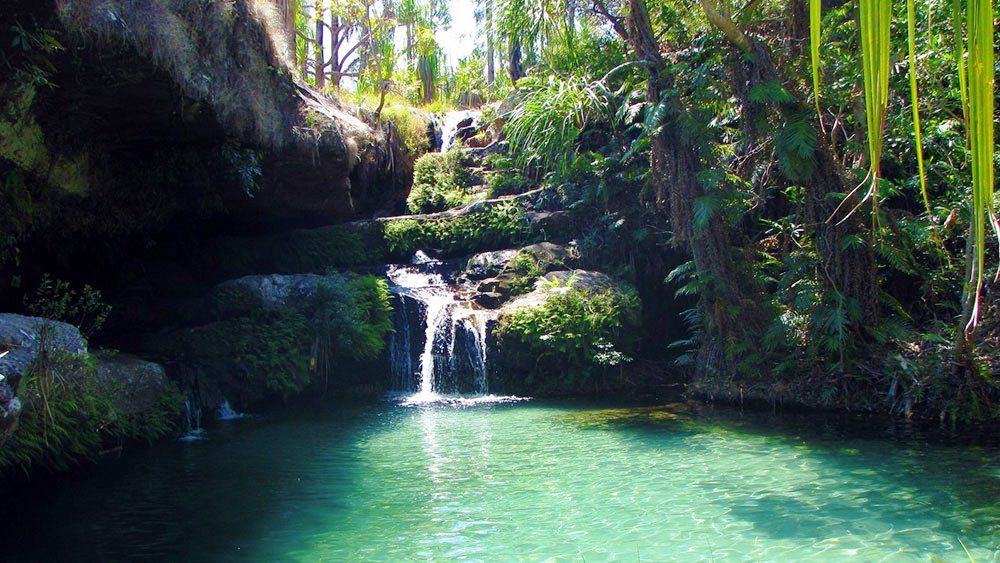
x,y
496,226
271,347
527,269
347,319
570,340
504,177
352,317
56,300
440,181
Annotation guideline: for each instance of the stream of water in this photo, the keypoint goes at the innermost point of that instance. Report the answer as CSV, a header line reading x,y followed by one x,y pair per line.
x,y
526,481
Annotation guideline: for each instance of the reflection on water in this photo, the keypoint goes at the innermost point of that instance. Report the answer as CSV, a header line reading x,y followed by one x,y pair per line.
x,y
526,480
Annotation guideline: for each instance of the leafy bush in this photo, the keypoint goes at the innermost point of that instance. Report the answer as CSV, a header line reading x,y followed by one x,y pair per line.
x,y
504,177
572,337
271,347
496,226
527,269
440,181
348,318
352,317
56,300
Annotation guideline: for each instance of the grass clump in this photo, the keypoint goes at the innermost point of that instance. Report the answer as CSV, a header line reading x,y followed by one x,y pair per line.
x,y
411,126
496,226
440,181
568,342
69,414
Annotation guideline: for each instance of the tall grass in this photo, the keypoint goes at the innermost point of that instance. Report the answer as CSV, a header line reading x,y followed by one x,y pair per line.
x,y
980,129
543,128
815,30
875,18
914,100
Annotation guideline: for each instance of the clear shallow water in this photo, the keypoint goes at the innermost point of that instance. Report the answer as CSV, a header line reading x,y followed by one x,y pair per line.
x,y
527,481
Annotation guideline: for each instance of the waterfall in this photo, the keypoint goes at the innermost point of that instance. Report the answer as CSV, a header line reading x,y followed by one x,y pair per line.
x,y
449,331
192,422
453,121
226,411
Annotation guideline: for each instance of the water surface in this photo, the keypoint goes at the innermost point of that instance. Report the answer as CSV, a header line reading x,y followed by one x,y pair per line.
x,y
525,481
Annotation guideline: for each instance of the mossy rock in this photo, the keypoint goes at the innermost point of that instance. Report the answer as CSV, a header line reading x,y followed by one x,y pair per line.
x,y
570,335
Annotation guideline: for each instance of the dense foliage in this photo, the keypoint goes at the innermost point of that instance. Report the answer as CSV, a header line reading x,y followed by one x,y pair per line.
x,y
573,339
838,254
440,181
496,226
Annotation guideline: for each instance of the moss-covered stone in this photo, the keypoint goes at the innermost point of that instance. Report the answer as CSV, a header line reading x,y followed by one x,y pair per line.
x,y
569,335
23,142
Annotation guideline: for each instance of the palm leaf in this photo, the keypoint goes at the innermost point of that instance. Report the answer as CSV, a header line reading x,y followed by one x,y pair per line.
x,y
981,83
914,106
875,18
815,25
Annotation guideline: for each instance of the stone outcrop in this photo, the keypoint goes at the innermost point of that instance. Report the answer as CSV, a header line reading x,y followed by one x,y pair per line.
x,y
22,337
134,385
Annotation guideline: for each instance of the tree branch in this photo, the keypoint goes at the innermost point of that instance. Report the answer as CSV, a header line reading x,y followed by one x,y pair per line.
x,y
616,23
719,18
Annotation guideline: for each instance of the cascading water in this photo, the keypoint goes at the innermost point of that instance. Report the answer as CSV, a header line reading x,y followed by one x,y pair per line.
x,y
226,411
449,332
453,121
192,422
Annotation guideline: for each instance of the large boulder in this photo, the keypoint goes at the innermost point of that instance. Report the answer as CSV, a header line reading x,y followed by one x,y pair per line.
x,y
136,385
22,337
21,340
244,295
516,272
568,335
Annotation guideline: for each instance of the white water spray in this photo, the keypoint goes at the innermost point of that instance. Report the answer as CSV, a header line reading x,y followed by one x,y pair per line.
x,y
449,129
454,352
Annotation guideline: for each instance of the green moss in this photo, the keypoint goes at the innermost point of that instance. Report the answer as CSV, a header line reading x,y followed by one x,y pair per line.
x,y
496,226
411,127
22,142
504,177
440,181
569,341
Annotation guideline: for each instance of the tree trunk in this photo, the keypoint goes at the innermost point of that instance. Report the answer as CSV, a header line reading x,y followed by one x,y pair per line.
x,y
732,310
490,69
287,13
515,64
320,67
